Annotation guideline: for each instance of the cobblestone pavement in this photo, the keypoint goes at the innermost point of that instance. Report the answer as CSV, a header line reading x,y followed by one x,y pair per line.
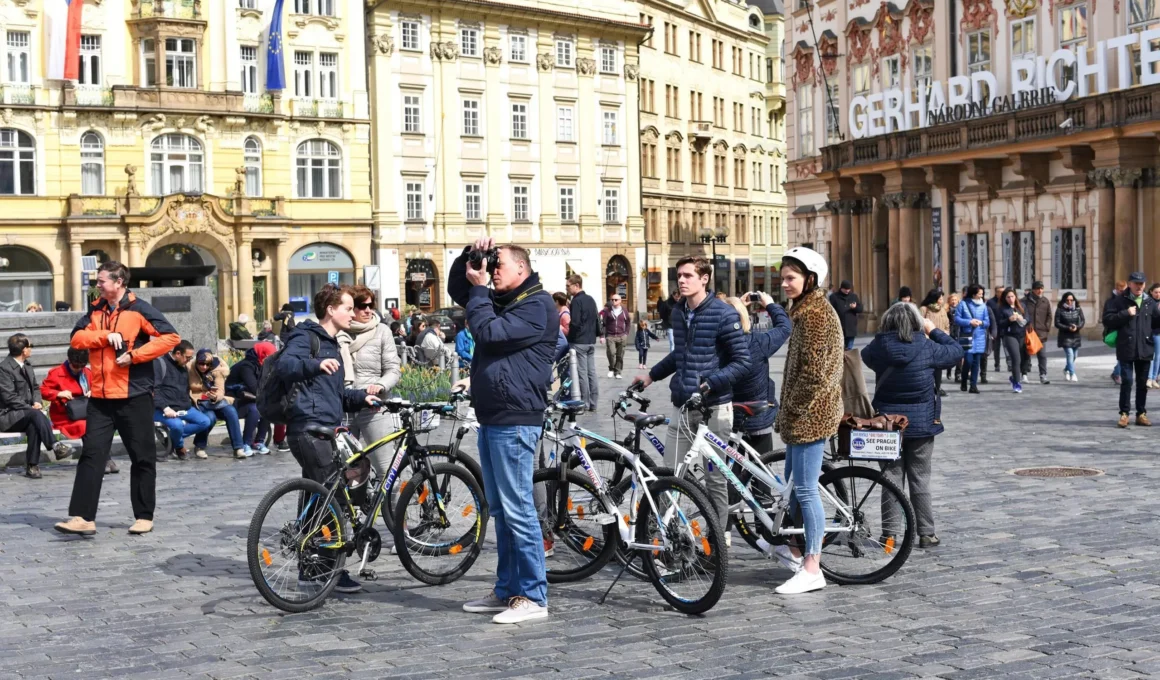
x,y
1036,578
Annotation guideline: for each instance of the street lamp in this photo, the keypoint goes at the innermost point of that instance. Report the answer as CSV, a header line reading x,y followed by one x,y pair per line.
x,y
713,237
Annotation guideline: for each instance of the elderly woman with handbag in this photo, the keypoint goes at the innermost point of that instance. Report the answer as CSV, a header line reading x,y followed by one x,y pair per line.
x,y
906,354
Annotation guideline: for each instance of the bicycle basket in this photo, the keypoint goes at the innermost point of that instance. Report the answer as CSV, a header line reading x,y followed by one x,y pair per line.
x,y
426,421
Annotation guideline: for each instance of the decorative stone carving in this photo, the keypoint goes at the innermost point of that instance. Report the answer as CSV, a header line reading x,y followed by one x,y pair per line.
x,y
493,56
131,180
204,124
239,181
803,67
383,44
544,61
450,50
859,46
921,23
828,46
1017,9
187,215
977,14
631,72
586,66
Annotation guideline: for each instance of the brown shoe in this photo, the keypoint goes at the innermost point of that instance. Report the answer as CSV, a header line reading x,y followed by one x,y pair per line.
x,y
76,525
1123,420
32,472
1142,420
141,526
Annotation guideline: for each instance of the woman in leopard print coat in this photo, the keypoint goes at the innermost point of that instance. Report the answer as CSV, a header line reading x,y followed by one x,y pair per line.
x,y
811,406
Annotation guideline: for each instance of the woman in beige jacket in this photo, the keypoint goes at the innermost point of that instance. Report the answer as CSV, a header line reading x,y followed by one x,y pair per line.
x,y
371,362
934,310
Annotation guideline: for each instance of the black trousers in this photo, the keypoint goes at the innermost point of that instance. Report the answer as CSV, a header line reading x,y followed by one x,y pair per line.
x,y
1140,369
314,456
761,443
38,429
132,418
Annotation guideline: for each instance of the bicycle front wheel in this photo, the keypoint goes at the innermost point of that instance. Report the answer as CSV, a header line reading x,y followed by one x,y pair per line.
x,y
581,530
875,522
295,545
440,524
691,572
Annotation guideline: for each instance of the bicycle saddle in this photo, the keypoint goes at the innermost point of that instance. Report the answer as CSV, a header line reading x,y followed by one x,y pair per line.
x,y
326,434
643,420
751,408
572,406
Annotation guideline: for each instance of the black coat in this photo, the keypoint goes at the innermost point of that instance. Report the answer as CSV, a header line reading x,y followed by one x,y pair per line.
x,y
19,390
582,329
321,398
1007,327
170,385
1134,333
849,317
1064,320
993,306
243,379
665,312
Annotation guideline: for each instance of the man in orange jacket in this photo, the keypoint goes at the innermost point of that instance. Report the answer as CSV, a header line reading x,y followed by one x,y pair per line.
x,y
123,335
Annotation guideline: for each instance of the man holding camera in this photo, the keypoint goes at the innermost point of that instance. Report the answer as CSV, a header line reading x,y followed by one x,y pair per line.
x,y
516,328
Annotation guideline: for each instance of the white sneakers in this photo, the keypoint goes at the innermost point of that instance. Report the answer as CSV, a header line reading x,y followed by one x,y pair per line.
x,y
486,605
802,582
515,610
782,553
200,453
611,374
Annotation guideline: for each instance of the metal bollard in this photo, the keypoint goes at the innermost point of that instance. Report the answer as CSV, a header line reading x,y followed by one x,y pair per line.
x,y
574,374
454,372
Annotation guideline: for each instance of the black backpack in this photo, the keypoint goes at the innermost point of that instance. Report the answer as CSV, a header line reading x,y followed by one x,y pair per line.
x,y
274,399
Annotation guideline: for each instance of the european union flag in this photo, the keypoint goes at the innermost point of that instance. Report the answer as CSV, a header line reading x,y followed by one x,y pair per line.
x,y
275,69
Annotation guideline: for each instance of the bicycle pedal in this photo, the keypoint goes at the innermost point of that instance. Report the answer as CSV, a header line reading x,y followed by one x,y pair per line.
x,y
368,575
604,518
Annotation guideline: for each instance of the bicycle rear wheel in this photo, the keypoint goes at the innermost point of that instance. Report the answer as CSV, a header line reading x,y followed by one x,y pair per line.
x,y
440,524
294,545
692,572
436,454
573,516
877,521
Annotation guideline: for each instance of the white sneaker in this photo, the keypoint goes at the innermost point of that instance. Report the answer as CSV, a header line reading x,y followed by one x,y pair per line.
x,y
786,557
618,376
802,582
241,454
520,609
1074,377
611,374
486,605
200,453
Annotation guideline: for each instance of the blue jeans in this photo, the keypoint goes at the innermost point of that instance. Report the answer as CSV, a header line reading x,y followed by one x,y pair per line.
x,y
1070,353
669,333
803,466
255,429
227,413
971,368
1155,370
507,456
1116,370
849,344
193,422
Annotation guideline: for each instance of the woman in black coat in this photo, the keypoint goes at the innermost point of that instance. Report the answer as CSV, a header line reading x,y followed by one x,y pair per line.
x,y
1069,321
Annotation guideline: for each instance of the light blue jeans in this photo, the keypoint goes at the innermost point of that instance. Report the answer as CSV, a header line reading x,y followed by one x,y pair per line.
x,y
803,466
669,333
507,456
1155,369
1070,353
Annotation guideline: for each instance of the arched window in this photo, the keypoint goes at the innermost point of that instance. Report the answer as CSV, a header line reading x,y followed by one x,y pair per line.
x,y
319,170
253,161
177,164
92,164
25,277
17,163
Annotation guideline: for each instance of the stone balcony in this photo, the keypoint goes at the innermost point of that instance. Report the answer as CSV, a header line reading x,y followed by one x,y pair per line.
x,y
168,9
186,100
117,206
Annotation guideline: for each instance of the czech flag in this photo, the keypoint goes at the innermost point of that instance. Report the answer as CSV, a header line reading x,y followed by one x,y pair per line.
x,y
64,38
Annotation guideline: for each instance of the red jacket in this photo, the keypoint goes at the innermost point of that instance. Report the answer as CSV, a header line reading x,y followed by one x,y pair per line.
x,y
59,379
147,335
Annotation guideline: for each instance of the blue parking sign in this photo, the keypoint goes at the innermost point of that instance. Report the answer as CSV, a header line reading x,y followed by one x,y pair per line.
x,y
332,277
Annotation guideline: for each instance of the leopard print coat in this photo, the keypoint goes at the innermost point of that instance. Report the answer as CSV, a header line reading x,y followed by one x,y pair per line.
x,y
811,391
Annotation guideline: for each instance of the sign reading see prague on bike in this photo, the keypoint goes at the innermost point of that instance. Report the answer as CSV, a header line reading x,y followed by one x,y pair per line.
x,y
1034,82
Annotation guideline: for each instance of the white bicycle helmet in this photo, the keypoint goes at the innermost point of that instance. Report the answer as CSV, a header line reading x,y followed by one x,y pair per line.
x,y
811,260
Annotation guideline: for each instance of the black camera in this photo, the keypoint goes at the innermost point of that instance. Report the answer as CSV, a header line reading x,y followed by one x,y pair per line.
x,y
755,297
477,258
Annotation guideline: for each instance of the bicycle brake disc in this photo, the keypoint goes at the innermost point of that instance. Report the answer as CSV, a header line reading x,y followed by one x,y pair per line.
x,y
369,537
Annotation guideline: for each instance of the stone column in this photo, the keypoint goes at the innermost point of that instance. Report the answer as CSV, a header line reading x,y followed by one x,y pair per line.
x,y
76,286
837,243
281,267
135,258
245,278
591,187
1124,180
909,243
894,247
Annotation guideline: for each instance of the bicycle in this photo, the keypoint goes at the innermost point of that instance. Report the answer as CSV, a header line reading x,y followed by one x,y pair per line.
x,y
302,532
684,558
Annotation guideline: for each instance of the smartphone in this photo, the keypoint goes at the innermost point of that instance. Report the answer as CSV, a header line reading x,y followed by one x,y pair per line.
x,y
755,297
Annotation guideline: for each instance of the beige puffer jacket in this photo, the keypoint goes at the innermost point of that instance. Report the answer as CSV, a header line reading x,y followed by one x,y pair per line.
x,y
374,360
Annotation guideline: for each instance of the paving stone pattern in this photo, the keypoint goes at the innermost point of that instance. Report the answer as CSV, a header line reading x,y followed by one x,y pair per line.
x,y
1036,578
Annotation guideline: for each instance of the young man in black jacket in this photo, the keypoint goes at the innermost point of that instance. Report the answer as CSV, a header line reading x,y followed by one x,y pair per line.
x,y
582,338
171,404
848,307
1135,317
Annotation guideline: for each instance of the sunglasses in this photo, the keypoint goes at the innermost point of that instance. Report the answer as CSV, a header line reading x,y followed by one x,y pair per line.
x,y
203,363
364,305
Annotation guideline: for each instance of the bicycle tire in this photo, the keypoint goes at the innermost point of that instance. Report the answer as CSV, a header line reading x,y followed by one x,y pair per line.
x,y
624,556
437,452
686,530
867,534
467,543
568,534
257,551
764,496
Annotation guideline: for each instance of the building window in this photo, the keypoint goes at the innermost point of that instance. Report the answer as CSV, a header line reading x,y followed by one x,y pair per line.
x,y
891,72
739,173
414,191
520,203
519,121
248,4
719,170
697,160
320,7
563,53
694,47
410,35
411,113
978,260
672,105
472,202
148,63
861,79
252,160
1019,258
92,164
1069,258
609,128
180,62
319,164
647,20
19,56
833,125
328,75
469,42
249,58
979,51
303,74
567,204
1142,16
607,59
90,71
519,48
1023,38
564,125
177,165
611,205
471,117
648,159
673,163
805,103
923,68
1072,36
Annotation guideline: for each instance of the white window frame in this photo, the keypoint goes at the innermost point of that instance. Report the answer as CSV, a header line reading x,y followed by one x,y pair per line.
x,y
93,161
413,200
565,53
252,160
248,55
518,48
807,145
174,151
519,120
609,122
21,156
891,72
303,74
1023,47
1066,74
90,55
313,156
978,61
248,4
148,63
567,201
922,59
473,201
1141,24
608,59
611,205
469,41
833,112
471,109
861,78
565,124
181,63
328,75
521,203
18,45
409,35
413,114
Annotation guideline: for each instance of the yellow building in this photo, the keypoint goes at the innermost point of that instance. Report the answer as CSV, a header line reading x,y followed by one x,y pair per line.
x,y
169,154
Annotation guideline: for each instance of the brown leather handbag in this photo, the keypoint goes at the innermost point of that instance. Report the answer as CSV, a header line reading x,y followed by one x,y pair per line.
x,y
880,422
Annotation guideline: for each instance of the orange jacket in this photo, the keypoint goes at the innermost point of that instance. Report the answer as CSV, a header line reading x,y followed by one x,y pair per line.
x,y
137,321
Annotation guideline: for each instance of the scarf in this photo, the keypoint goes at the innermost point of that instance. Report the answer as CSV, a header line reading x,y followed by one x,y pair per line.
x,y
364,333
79,377
934,307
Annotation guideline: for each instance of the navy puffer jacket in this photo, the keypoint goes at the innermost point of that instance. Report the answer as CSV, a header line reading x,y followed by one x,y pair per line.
x,y
322,398
713,349
908,388
756,385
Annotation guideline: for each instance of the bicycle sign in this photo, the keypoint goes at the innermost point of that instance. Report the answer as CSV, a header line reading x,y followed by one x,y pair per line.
x,y
875,445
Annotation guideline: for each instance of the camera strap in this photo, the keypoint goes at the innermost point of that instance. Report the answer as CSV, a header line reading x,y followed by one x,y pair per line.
x,y
532,290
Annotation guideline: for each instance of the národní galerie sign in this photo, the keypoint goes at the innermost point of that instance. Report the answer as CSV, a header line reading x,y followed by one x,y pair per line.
x,y
1034,82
